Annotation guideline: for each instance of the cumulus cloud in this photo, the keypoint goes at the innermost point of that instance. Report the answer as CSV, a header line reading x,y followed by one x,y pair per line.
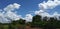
x,y
28,17
38,12
12,15
48,5
42,13
7,15
56,15
12,7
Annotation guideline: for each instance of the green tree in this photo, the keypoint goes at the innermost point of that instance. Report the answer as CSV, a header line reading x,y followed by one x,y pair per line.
x,y
45,18
51,23
36,21
21,21
36,18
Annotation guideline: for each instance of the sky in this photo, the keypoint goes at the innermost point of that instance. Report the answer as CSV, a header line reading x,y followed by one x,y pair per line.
x,y
27,6
26,9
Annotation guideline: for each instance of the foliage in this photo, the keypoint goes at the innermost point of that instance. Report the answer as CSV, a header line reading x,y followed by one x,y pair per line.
x,y
36,22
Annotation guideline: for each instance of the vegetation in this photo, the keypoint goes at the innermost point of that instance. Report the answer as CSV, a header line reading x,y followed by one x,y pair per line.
x,y
36,22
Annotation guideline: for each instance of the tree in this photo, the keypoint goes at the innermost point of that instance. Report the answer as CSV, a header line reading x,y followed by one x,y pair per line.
x,y
36,18
51,23
21,21
36,21
45,18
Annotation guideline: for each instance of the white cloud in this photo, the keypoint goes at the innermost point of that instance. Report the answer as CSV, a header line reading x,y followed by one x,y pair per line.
x,y
42,13
56,15
38,12
12,7
7,15
3,19
12,15
48,5
28,17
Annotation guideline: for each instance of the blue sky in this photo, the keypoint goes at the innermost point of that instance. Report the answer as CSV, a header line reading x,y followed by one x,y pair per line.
x,y
48,8
27,6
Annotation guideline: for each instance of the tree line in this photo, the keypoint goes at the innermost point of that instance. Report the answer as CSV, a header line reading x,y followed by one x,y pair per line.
x,y
37,21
